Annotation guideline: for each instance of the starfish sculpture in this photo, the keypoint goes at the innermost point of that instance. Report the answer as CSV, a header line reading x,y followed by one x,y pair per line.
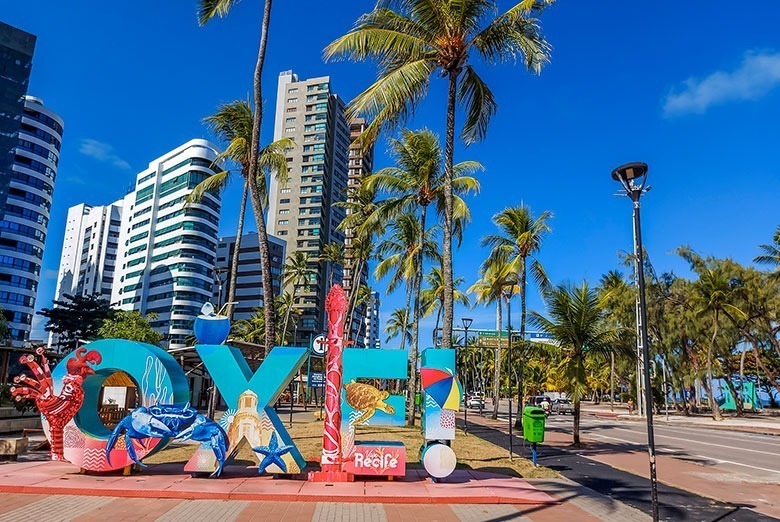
x,y
272,454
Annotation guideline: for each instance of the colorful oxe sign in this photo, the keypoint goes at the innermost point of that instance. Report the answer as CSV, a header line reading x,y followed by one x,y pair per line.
x,y
68,401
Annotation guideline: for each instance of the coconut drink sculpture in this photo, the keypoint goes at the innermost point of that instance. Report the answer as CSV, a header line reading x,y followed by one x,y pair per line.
x,y
211,328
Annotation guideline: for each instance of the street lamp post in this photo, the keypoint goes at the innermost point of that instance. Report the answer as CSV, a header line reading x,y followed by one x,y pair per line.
x,y
466,321
508,296
218,271
633,178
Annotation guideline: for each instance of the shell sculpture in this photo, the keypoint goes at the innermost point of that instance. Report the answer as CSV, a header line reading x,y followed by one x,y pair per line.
x,y
367,399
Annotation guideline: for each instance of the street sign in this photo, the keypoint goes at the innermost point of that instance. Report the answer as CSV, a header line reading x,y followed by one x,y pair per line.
x,y
319,346
317,379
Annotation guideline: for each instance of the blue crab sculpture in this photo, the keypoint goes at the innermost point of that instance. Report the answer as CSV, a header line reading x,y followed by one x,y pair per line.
x,y
170,421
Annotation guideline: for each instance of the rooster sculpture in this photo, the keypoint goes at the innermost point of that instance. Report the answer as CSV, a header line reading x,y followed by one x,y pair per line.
x,y
58,409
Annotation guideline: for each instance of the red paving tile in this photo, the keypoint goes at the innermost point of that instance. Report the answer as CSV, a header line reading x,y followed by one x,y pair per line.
x,y
462,487
11,502
277,511
556,513
130,509
407,513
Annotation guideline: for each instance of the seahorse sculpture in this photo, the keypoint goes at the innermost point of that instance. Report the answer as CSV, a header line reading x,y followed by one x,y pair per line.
x,y
58,409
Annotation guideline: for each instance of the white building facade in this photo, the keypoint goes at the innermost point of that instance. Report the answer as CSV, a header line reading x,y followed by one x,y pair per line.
x,y
89,250
167,247
25,216
371,322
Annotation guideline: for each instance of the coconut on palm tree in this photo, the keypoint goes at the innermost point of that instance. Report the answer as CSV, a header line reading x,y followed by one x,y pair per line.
x,y
207,10
518,241
496,280
416,40
232,123
577,324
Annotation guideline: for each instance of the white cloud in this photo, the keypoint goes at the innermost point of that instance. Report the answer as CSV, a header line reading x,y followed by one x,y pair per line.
x,y
756,75
102,152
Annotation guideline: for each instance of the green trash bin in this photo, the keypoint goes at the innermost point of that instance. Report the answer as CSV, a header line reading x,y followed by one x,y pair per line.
x,y
533,424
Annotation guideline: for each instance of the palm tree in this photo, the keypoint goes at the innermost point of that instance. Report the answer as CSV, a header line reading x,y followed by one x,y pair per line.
x,y
400,254
398,324
232,123
520,238
208,9
771,253
296,273
332,253
714,293
496,278
359,206
432,297
577,323
424,39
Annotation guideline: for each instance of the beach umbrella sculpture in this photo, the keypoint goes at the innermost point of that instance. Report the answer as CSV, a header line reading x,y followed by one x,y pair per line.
x,y
442,386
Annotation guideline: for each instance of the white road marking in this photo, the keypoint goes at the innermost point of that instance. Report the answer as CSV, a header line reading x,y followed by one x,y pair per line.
x,y
675,451
705,443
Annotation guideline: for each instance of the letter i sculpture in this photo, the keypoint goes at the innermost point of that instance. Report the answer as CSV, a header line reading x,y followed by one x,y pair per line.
x,y
332,471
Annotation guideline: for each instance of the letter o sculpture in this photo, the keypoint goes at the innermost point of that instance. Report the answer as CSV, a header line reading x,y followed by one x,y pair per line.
x,y
160,380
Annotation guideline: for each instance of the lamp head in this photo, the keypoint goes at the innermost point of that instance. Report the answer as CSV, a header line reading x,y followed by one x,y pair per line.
x,y
630,172
467,322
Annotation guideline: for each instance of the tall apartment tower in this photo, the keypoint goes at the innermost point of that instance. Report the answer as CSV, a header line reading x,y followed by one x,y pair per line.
x,y
249,288
371,322
16,53
26,214
361,163
89,250
168,249
301,211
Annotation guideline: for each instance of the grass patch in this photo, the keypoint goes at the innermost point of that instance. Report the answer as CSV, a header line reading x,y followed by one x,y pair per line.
x,y
472,451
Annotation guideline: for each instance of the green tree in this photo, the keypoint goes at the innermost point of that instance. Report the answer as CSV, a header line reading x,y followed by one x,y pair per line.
x,y
771,253
332,253
496,281
232,124
4,329
208,9
399,324
432,297
577,323
401,253
130,325
519,240
296,273
76,318
415,40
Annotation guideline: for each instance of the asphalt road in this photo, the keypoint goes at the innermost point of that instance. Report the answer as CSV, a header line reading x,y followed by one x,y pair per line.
x,y
752,456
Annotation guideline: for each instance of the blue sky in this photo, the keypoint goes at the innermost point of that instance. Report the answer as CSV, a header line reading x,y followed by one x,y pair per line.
x,y
693,91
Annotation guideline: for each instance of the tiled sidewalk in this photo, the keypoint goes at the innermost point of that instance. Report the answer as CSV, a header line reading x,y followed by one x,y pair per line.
x,y
64,508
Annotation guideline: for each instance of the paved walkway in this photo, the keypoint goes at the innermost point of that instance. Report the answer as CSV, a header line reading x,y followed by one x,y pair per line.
x,y
16,507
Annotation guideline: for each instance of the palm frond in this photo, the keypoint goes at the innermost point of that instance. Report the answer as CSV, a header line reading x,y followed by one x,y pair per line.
x,y
479,104
214,184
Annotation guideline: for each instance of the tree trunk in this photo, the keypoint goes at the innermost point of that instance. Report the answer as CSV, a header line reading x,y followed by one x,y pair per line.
x,y
287,317
449,151
497,368
714,408
231,298
412,382
257,203
523,353
576,431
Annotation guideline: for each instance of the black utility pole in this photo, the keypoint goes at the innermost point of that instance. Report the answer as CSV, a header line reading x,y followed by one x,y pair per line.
x,y
633,177
466,324
509,361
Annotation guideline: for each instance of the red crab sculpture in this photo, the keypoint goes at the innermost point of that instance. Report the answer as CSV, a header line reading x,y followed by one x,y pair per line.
x,y
58,409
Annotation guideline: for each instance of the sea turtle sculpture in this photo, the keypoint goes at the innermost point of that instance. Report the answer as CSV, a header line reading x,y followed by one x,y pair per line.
x,y
366,398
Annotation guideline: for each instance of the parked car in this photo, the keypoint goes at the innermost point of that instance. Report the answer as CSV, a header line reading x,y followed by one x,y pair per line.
x,y
539,401
562,406
475,400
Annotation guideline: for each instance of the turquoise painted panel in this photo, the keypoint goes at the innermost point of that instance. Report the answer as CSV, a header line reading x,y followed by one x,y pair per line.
x,y
362,363
250,397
